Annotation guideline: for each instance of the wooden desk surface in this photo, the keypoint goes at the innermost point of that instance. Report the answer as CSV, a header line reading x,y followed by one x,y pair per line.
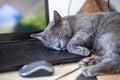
x,y
14,75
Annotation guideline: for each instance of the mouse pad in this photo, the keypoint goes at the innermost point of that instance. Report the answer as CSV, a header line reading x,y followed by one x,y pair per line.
x,y
82,77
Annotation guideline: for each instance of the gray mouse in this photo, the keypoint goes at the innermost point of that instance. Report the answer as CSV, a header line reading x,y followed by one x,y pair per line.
x,y
37,69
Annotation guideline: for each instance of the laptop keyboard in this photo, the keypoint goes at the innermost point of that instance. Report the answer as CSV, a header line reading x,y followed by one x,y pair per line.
x,y
19,53
19,47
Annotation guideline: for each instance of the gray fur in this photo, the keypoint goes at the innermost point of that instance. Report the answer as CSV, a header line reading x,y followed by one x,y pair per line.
x,y
81,34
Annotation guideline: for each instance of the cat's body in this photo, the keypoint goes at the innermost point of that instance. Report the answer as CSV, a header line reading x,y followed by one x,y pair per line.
x,y
99,32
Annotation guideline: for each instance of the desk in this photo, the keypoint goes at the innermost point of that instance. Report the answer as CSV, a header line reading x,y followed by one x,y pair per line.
x,y
59,70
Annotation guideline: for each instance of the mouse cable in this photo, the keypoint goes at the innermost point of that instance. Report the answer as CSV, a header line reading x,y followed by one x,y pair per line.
x,y
69,7
68,73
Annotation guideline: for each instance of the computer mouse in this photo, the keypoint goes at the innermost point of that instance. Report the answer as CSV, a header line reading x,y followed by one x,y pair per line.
x,y
37,69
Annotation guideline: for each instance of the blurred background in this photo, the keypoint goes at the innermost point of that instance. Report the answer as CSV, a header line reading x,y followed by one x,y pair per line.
x,y
22,15
73,7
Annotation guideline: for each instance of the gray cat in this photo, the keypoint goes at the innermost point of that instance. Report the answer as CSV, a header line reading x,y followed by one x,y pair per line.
x,y
81,34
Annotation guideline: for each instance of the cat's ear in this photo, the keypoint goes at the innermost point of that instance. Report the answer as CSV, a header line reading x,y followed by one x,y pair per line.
x,y
39,36
57,17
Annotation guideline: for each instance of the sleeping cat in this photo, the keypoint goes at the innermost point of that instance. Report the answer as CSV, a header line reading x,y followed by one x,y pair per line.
x,y
81,34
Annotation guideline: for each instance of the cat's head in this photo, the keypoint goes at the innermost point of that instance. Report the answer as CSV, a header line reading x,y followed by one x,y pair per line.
x,y
57,33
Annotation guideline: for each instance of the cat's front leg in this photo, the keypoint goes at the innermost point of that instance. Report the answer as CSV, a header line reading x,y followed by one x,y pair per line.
x,y
106,66
89,61
78,50
76,44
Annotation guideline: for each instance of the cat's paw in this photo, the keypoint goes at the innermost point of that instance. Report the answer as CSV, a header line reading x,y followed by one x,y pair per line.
x,y
88,72
89,66
87,62
78,50
82,51
90,61
92,71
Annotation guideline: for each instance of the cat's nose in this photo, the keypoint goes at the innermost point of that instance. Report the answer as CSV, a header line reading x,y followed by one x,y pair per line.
x,y
60,47
57,46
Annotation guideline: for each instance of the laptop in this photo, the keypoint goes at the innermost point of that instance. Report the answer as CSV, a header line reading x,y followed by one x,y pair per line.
x,y
17,48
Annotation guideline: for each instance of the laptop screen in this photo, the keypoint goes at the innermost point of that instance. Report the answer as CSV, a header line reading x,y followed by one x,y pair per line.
x,y
22,17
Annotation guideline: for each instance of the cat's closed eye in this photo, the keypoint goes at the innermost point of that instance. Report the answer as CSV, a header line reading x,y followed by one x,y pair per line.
x,y
49,44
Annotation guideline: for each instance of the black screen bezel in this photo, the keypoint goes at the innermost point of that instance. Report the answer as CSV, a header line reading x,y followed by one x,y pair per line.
x,y
20,36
